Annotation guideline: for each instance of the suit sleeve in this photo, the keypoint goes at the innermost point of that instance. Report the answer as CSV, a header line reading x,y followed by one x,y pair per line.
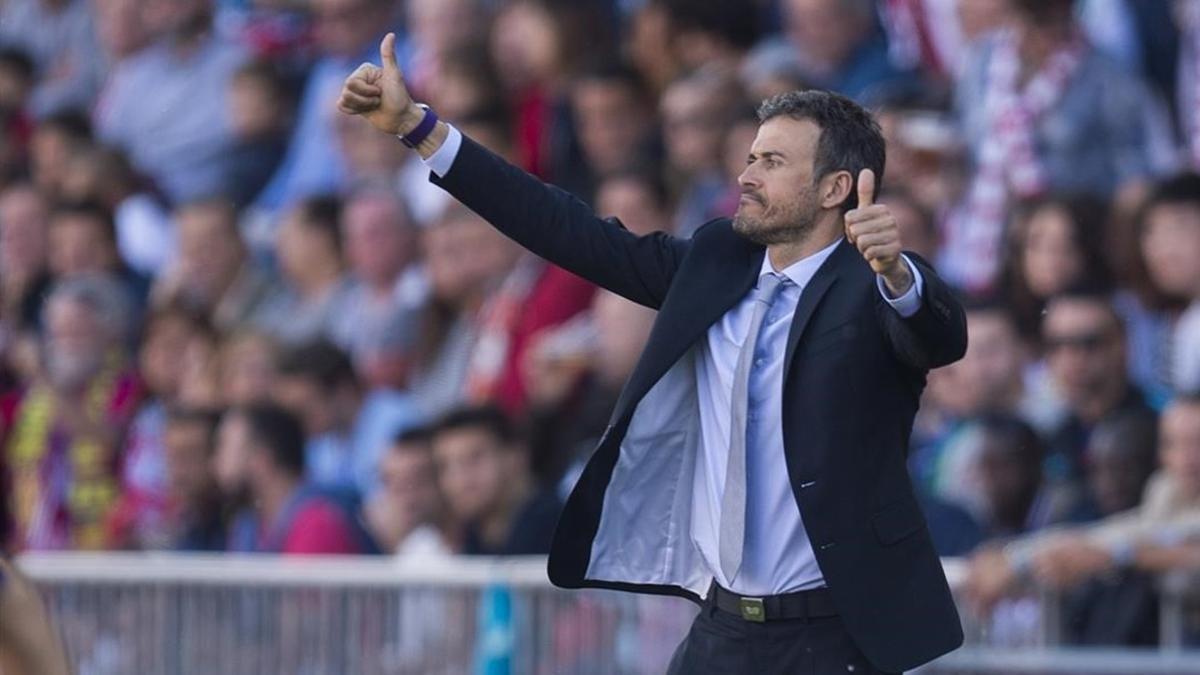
x,y
562,229
934,336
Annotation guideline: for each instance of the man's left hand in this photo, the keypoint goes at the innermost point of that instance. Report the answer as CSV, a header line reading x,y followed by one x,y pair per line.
x,y
872,229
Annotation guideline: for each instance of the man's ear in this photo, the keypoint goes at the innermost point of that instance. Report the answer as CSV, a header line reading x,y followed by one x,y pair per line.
x,y
835,188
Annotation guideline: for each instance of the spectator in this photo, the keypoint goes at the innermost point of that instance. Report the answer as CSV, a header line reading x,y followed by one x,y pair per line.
x,y
696,111
103,175
83,241
1170,237
309,249
60,37
247,368
464,258
1169,512
377,320
403,516
834,44
62,448
1085,348
211,270
1032,104
121,29
1121,458
483,470
260,117
637,198
188,70
536,46
190,517
168,335
649,42
16,124
55,140
346,32
613,121
711,34
24,273
1014,497
347,427
1056,243
288,516
438,28
195,515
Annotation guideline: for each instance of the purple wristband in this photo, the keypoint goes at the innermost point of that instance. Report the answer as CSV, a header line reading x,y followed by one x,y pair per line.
x,y
413,138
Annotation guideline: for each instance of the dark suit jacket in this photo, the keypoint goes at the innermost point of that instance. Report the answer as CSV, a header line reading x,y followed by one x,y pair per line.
x,y
854,371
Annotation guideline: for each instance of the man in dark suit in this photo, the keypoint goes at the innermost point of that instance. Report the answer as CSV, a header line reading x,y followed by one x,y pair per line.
x,y
755,461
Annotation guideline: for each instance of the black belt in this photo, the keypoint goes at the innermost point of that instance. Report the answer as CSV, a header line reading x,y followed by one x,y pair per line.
x,y
811,604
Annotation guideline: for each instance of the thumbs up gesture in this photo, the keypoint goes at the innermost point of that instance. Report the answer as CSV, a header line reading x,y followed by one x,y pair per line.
x,y
872,229
379,94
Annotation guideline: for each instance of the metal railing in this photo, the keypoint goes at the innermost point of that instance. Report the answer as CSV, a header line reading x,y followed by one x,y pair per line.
x,y
176,614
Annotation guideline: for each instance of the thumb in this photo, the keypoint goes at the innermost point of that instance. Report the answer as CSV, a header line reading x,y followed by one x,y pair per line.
x,y
387,55
866,188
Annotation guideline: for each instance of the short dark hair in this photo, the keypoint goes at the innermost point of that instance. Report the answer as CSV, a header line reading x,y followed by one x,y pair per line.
x,y
18,61
850,137
416,435
734,22
1017,433
323,213
1182,188
278,432
487,418
72,123
321,362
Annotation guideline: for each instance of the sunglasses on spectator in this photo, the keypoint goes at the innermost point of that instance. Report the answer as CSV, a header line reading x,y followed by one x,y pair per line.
x,y
1087,342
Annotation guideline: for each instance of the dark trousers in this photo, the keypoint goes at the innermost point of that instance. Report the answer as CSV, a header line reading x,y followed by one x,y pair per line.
x,y
720,643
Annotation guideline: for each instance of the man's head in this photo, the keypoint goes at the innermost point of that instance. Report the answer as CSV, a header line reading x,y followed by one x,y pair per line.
x,y
612,115
1084,341
84,320
828,31
210,250
274,444
55,140
1170,236
23,240
344,28
316,382
83,240
637,198
803,168
1010,467
1179,438
189,441
478,457
167,335
696,112
1120,457
990,373
408,476
309,243
258,100
378,235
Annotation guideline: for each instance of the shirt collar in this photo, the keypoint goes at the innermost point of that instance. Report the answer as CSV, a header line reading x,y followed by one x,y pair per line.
x,y
801,271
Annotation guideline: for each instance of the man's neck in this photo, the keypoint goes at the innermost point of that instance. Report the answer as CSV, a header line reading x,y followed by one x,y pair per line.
x,y
785,255
1101,404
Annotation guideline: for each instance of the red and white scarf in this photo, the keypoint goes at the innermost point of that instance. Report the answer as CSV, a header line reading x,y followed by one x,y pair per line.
x,y
1007,165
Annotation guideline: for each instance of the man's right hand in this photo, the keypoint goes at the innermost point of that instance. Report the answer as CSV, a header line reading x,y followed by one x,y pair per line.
x,y
379,94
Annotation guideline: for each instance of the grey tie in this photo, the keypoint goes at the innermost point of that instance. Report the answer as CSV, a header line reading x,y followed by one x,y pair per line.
x,y
733,501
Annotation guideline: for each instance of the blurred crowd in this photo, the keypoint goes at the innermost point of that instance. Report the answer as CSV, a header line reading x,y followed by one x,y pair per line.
x,y
232,318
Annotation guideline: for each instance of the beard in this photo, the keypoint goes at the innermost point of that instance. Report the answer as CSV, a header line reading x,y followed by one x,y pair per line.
x,y
782,223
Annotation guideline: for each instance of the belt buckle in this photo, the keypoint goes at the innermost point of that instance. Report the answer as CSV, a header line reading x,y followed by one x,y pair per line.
x,y
753,609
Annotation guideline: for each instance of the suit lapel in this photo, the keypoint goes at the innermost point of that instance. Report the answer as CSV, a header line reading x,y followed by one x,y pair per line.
x,y
726,269
811,297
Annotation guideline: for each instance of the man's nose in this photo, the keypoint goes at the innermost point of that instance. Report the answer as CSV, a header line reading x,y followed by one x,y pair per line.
x,y
749,178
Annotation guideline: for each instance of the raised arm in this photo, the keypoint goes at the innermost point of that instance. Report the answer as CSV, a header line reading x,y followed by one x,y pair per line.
x,y
544,219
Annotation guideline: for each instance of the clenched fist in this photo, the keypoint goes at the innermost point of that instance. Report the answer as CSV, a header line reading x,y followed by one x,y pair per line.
x,y
379,94
872,229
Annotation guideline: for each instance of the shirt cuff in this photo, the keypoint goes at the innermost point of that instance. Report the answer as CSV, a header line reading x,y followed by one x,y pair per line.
x,y
442,160
907,304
